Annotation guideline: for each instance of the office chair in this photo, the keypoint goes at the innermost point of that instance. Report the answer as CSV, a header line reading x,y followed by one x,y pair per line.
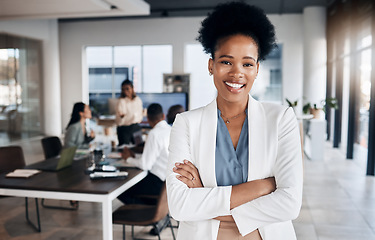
x,y
143,215
11,158
51,148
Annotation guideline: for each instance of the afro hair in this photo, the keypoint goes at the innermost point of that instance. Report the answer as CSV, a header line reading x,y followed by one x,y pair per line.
x,y
237,18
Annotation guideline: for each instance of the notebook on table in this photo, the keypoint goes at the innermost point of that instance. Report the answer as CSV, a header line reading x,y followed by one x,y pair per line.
x,y
57,163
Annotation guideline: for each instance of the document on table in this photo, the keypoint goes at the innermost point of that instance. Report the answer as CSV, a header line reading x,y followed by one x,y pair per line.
x,y
122,163
114,155
98,175
81,153
23,173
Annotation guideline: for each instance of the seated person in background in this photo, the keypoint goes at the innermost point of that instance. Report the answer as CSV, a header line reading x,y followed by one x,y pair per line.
x,y
76,134
173,111
154,158
129,113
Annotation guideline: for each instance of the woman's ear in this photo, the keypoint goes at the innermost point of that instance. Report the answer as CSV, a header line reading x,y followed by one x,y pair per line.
x,y
210,66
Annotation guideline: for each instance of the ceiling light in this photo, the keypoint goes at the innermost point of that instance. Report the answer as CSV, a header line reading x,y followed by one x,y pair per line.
x,y
103,3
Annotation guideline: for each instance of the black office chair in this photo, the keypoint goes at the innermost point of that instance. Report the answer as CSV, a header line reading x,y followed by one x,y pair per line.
x,y
143,215
11,158
52,147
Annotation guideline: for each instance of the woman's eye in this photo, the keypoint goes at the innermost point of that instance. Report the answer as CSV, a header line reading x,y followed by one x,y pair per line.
x,y
248,65
225,62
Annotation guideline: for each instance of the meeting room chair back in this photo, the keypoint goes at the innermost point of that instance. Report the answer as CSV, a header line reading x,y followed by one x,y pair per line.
x,y
51,146
162,209
144,215
11,158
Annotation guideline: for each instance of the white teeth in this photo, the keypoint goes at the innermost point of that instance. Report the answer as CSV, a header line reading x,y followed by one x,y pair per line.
x,y
234,85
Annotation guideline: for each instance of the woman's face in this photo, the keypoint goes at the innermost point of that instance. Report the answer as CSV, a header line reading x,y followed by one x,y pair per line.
x,y
127,90
234,67
86,112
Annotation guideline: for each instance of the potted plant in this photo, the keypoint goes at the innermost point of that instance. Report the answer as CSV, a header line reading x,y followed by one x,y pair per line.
x,y
291,104
330,102
315,110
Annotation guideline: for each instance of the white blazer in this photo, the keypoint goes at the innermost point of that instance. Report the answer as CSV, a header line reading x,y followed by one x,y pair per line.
x,y
274,150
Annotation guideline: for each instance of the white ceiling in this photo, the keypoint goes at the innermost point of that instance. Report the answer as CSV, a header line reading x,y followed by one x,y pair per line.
x,y
201,7
71,10
42,9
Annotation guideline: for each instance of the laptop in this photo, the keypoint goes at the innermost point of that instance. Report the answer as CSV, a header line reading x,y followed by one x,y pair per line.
x,y
58,163
138,139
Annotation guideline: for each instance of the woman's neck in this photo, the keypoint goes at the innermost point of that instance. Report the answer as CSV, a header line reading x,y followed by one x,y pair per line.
x,y
83,124
230,109
83,121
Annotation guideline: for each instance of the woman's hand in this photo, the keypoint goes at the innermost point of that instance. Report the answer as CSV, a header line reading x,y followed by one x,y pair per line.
x,y
92,134
188,174
126,153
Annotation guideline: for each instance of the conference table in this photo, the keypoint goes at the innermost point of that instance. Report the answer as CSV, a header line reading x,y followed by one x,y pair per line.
x,y
73,183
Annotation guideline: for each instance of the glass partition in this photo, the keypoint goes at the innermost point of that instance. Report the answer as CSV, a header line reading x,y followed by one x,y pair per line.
x,y
108,66
20,94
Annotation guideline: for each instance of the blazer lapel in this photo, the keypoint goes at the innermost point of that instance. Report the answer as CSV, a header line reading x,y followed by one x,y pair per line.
x,y
257,138
207,144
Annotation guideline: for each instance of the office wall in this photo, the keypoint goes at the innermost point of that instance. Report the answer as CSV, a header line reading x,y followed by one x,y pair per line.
x,y
290,33
47,32
75,36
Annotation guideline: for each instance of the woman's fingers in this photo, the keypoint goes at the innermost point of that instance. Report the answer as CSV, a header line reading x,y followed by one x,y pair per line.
x,y
183,172
192,168
188,174
185,180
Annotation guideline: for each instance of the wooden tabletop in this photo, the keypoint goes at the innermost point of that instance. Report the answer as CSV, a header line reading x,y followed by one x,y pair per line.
x,y
71,179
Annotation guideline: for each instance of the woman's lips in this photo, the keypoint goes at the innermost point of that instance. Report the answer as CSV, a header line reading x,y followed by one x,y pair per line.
x,y
234,87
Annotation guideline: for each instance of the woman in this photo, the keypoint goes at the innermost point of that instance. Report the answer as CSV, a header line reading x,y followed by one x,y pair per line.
x,y
129,113
235,165
76,130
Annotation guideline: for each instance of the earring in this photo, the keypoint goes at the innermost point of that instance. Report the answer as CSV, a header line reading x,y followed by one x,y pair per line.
x,y
210,73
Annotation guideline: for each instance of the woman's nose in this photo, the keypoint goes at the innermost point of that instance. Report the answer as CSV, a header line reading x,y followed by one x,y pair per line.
x,y
236,72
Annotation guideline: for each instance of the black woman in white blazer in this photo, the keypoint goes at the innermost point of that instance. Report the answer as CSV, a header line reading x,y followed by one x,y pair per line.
x,y
237,36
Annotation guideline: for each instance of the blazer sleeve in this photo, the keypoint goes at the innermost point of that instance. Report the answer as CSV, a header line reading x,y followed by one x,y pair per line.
x,y
191,204
71,136
119,111
138,115
284,204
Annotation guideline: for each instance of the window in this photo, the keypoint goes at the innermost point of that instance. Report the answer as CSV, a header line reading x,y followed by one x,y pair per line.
x,y
108,66
350,47
20,78
202,89
268,85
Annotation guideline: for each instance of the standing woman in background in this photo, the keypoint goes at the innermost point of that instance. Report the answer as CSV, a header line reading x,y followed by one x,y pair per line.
x,y
235,165
76,130
129,113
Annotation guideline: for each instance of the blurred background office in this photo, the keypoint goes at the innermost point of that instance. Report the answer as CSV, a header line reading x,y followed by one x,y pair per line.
x,y
53,54
325,50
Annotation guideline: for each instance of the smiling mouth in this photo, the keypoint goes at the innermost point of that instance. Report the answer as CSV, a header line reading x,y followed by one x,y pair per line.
x,y
235,85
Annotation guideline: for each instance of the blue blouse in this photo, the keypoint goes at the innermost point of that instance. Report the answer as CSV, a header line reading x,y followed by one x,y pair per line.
x,y
231,165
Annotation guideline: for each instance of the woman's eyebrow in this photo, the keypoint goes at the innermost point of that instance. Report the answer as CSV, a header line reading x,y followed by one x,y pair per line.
x,y
229,56
226,56
248,57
